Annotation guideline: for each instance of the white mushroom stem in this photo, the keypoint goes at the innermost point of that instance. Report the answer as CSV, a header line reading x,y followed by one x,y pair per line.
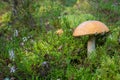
x,y
91,44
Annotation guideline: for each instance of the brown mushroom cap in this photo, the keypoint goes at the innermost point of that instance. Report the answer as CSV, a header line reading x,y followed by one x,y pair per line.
x,y
59,31
89,28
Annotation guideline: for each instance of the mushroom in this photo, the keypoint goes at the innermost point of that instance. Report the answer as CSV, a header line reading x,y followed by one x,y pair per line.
x,y
90,28
59,32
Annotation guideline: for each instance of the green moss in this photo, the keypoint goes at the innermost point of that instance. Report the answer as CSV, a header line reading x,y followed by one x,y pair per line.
x,y
44,55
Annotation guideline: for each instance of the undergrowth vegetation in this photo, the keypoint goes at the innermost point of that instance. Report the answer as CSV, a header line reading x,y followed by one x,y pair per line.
x,y
30,49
